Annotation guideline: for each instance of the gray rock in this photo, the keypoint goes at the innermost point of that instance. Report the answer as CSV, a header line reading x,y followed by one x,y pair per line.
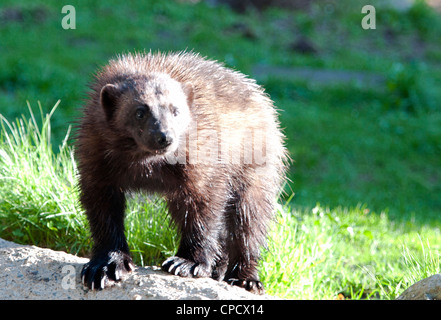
x,y
29,272
426,289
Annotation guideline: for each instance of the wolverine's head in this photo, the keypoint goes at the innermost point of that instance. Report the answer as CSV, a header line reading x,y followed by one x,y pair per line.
x,y
152,109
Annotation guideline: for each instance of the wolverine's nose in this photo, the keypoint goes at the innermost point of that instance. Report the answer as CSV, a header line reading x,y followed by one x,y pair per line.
x,y
163,139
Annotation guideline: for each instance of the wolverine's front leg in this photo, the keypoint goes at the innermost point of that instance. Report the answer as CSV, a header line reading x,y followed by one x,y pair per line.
x,y
110,255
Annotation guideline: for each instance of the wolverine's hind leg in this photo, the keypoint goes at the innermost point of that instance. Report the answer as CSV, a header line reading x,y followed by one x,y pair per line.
x,y
200,222
248,216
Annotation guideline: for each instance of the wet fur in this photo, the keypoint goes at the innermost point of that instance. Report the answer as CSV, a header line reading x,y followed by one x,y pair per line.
x,y
222,210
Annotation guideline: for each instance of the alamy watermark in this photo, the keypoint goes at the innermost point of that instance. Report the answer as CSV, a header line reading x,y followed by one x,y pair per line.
x,y
69,280
209,146
369,20
69,20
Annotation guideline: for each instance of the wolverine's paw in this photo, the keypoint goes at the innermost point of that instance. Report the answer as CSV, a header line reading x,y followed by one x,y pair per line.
x,y
254,286
103,272
185,268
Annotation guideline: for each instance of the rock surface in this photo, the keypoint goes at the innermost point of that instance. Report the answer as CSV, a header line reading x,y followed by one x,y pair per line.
x,y
426,289
29,272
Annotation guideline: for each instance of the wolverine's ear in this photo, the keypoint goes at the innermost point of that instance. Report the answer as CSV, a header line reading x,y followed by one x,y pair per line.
x,y
108,99
188,90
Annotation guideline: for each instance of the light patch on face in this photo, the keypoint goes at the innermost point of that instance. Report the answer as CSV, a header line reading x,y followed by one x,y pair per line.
x,y
163,95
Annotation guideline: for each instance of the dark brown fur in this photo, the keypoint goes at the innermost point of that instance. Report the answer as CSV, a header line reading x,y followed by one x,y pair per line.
x,y
221,204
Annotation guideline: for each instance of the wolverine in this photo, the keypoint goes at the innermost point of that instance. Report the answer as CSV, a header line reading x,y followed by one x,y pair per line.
x,y
205,137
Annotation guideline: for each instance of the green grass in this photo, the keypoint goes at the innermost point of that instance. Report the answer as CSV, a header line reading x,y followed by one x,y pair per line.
x,y
360,254
345,139
364,220
37,189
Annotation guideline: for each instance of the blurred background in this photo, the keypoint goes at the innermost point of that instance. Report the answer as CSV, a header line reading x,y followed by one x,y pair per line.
x,y
360,107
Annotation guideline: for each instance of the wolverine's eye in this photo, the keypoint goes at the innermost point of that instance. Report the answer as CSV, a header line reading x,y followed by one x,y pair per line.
x,y
140,113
